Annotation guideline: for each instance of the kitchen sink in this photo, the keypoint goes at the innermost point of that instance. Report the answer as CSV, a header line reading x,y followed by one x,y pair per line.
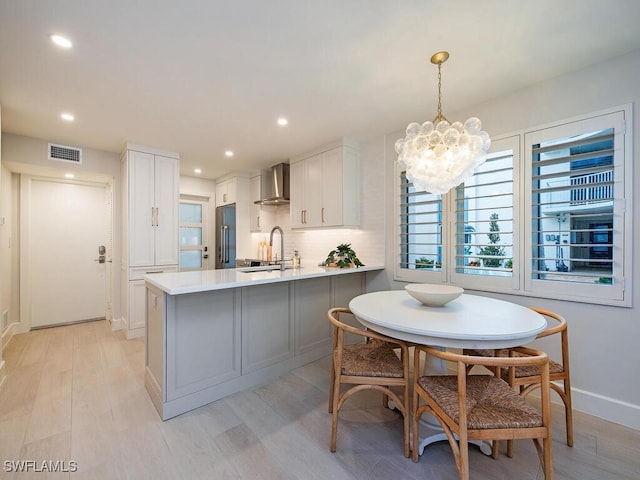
x,y
262,268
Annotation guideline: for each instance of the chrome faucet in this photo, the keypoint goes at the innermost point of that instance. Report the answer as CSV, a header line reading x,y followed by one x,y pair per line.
x,y
281,244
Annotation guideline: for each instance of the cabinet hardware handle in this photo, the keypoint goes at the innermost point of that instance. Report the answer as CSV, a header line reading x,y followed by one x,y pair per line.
x,y
157,218
322,215
224,197
153,216
258,221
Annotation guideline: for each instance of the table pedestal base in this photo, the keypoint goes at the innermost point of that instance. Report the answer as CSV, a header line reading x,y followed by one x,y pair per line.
x,y
430,433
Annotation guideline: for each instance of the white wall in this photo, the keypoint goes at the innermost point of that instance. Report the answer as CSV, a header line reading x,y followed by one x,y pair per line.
x,y
26,153
605,358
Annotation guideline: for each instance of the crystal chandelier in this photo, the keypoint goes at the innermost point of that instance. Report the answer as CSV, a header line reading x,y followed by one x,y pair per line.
x,y
440,155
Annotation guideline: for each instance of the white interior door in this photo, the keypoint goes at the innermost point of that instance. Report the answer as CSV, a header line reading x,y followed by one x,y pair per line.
x,y
68,223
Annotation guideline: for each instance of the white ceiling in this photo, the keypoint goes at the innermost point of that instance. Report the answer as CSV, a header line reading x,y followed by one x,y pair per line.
x,y
202,76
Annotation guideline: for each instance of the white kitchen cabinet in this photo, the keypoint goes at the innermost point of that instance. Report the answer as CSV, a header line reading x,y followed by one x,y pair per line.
x,y
226,192
207,323
150,196
312,299
261,215
267,326
153,199
325,187
306,192
255,189
136,299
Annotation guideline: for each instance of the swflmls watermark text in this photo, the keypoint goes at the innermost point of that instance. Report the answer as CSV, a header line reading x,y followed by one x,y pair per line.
x,y
39,466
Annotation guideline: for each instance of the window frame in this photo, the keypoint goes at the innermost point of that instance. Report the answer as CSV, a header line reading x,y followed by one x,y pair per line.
x,y
488,282
521,283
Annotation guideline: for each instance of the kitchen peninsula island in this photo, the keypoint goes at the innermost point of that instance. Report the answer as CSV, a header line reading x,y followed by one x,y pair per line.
x,y
212,333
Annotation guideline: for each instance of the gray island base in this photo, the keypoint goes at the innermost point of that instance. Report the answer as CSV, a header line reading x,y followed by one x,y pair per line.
x,y
214,333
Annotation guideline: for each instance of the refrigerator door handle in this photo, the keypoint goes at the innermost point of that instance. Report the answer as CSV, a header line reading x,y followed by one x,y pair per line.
x,y
226,244
222,248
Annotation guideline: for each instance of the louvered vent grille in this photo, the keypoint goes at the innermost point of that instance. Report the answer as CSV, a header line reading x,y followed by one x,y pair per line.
x,y
64,153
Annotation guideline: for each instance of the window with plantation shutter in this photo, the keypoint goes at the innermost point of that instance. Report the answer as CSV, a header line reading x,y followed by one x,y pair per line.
x,y
420,233
485,214
576,207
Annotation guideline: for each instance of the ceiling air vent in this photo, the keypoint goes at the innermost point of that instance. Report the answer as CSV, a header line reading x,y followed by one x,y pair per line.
x,y
64,153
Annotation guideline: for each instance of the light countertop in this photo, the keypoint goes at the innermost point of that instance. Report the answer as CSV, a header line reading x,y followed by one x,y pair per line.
x,y
207,280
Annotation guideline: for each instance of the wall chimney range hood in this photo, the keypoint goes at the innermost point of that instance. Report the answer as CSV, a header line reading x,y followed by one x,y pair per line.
x,y
279,184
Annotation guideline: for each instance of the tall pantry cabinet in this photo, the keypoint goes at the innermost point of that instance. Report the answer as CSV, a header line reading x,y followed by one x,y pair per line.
x,y
150,197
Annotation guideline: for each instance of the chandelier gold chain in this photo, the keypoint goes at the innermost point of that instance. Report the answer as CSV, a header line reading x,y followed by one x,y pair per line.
x,y
439,115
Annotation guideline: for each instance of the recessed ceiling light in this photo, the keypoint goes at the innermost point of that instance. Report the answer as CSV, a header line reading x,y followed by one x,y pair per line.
x,y
283,121
197,170
61,41
67,117
228,153
69,175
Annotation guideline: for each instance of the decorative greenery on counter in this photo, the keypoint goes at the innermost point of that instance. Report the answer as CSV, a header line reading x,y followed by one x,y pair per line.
x,y
343,256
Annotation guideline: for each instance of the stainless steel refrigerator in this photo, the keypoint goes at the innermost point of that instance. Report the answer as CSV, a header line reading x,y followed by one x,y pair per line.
x,y
226,236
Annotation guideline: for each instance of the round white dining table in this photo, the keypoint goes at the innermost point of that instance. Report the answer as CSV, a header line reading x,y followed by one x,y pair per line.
x,y
470,321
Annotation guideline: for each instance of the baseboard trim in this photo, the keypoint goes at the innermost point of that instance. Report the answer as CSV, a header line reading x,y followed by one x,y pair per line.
x,y
116,324
134,333
617,411
7,335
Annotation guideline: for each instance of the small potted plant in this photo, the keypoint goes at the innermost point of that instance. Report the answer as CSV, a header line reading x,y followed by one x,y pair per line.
x,y
343,257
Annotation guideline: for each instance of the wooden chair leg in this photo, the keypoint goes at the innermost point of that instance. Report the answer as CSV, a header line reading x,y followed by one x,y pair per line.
x,y
464,460
334,413
495,447
568,411
405,421
548,459
332,380
415,418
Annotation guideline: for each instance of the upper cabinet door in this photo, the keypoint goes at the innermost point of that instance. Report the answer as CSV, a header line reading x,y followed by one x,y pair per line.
x,y
298,196
153,209
167,203
332,185
226,192
254,209
141,209
313,190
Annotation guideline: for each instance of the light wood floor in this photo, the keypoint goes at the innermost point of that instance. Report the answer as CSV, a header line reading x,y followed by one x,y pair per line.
x,y
76,393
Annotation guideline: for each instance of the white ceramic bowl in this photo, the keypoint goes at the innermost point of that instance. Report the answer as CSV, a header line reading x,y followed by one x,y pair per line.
x,y
433,295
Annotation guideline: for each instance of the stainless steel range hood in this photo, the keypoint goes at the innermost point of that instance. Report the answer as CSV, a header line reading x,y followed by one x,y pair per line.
x,y
279,183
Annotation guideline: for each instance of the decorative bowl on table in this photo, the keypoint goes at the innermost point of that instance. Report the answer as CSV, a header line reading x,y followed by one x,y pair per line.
x,y
433,295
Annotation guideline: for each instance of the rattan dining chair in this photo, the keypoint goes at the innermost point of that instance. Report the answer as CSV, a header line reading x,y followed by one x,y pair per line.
x,y
527,379
483,407
370,365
